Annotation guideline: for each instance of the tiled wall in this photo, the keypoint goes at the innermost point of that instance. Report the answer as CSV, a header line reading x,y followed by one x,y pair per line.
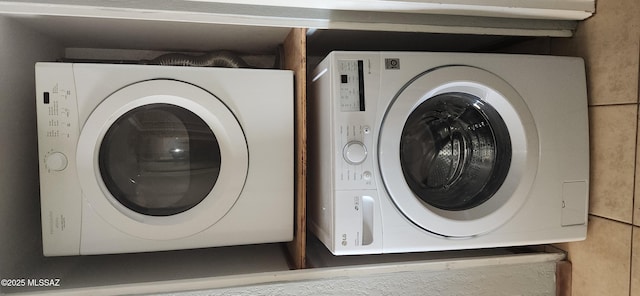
x,y
608,262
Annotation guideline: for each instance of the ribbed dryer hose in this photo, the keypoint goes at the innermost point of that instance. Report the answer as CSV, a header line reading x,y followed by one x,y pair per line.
x,y
213,59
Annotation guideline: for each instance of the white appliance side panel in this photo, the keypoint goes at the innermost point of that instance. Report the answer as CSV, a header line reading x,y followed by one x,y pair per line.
x,y
58,131
320,150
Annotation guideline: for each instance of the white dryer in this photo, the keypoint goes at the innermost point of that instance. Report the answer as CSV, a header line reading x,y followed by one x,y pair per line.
x,y
137,158
436,151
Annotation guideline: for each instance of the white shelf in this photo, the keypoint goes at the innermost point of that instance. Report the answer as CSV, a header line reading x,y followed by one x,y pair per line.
x,y
496,17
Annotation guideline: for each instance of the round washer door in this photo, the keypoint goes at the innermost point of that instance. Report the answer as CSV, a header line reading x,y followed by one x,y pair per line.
x,y
162,159
458,151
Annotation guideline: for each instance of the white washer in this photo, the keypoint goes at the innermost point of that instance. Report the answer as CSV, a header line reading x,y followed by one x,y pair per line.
x,y
436,151
137,158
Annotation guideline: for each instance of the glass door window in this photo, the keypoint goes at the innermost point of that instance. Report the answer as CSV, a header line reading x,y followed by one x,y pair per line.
x,y
455,151
159,159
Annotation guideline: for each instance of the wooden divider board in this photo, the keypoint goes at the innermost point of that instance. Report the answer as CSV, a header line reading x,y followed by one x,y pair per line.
x,y
295,58
563,278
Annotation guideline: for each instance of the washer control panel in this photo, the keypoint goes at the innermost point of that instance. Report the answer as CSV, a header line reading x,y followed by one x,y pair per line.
x,y
354,134
355,164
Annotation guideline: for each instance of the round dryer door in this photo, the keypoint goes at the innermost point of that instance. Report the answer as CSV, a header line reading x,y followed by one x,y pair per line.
x,y
458,151
162,159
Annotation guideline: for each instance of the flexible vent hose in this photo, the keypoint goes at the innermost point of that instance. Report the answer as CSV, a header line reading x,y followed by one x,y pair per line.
x,y
213,59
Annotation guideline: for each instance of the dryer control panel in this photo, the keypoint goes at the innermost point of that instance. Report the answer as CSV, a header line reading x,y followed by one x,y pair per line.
x,y
58,130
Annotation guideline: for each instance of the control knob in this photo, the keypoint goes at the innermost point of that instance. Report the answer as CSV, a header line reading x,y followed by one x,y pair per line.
x,y
355,152
56,161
